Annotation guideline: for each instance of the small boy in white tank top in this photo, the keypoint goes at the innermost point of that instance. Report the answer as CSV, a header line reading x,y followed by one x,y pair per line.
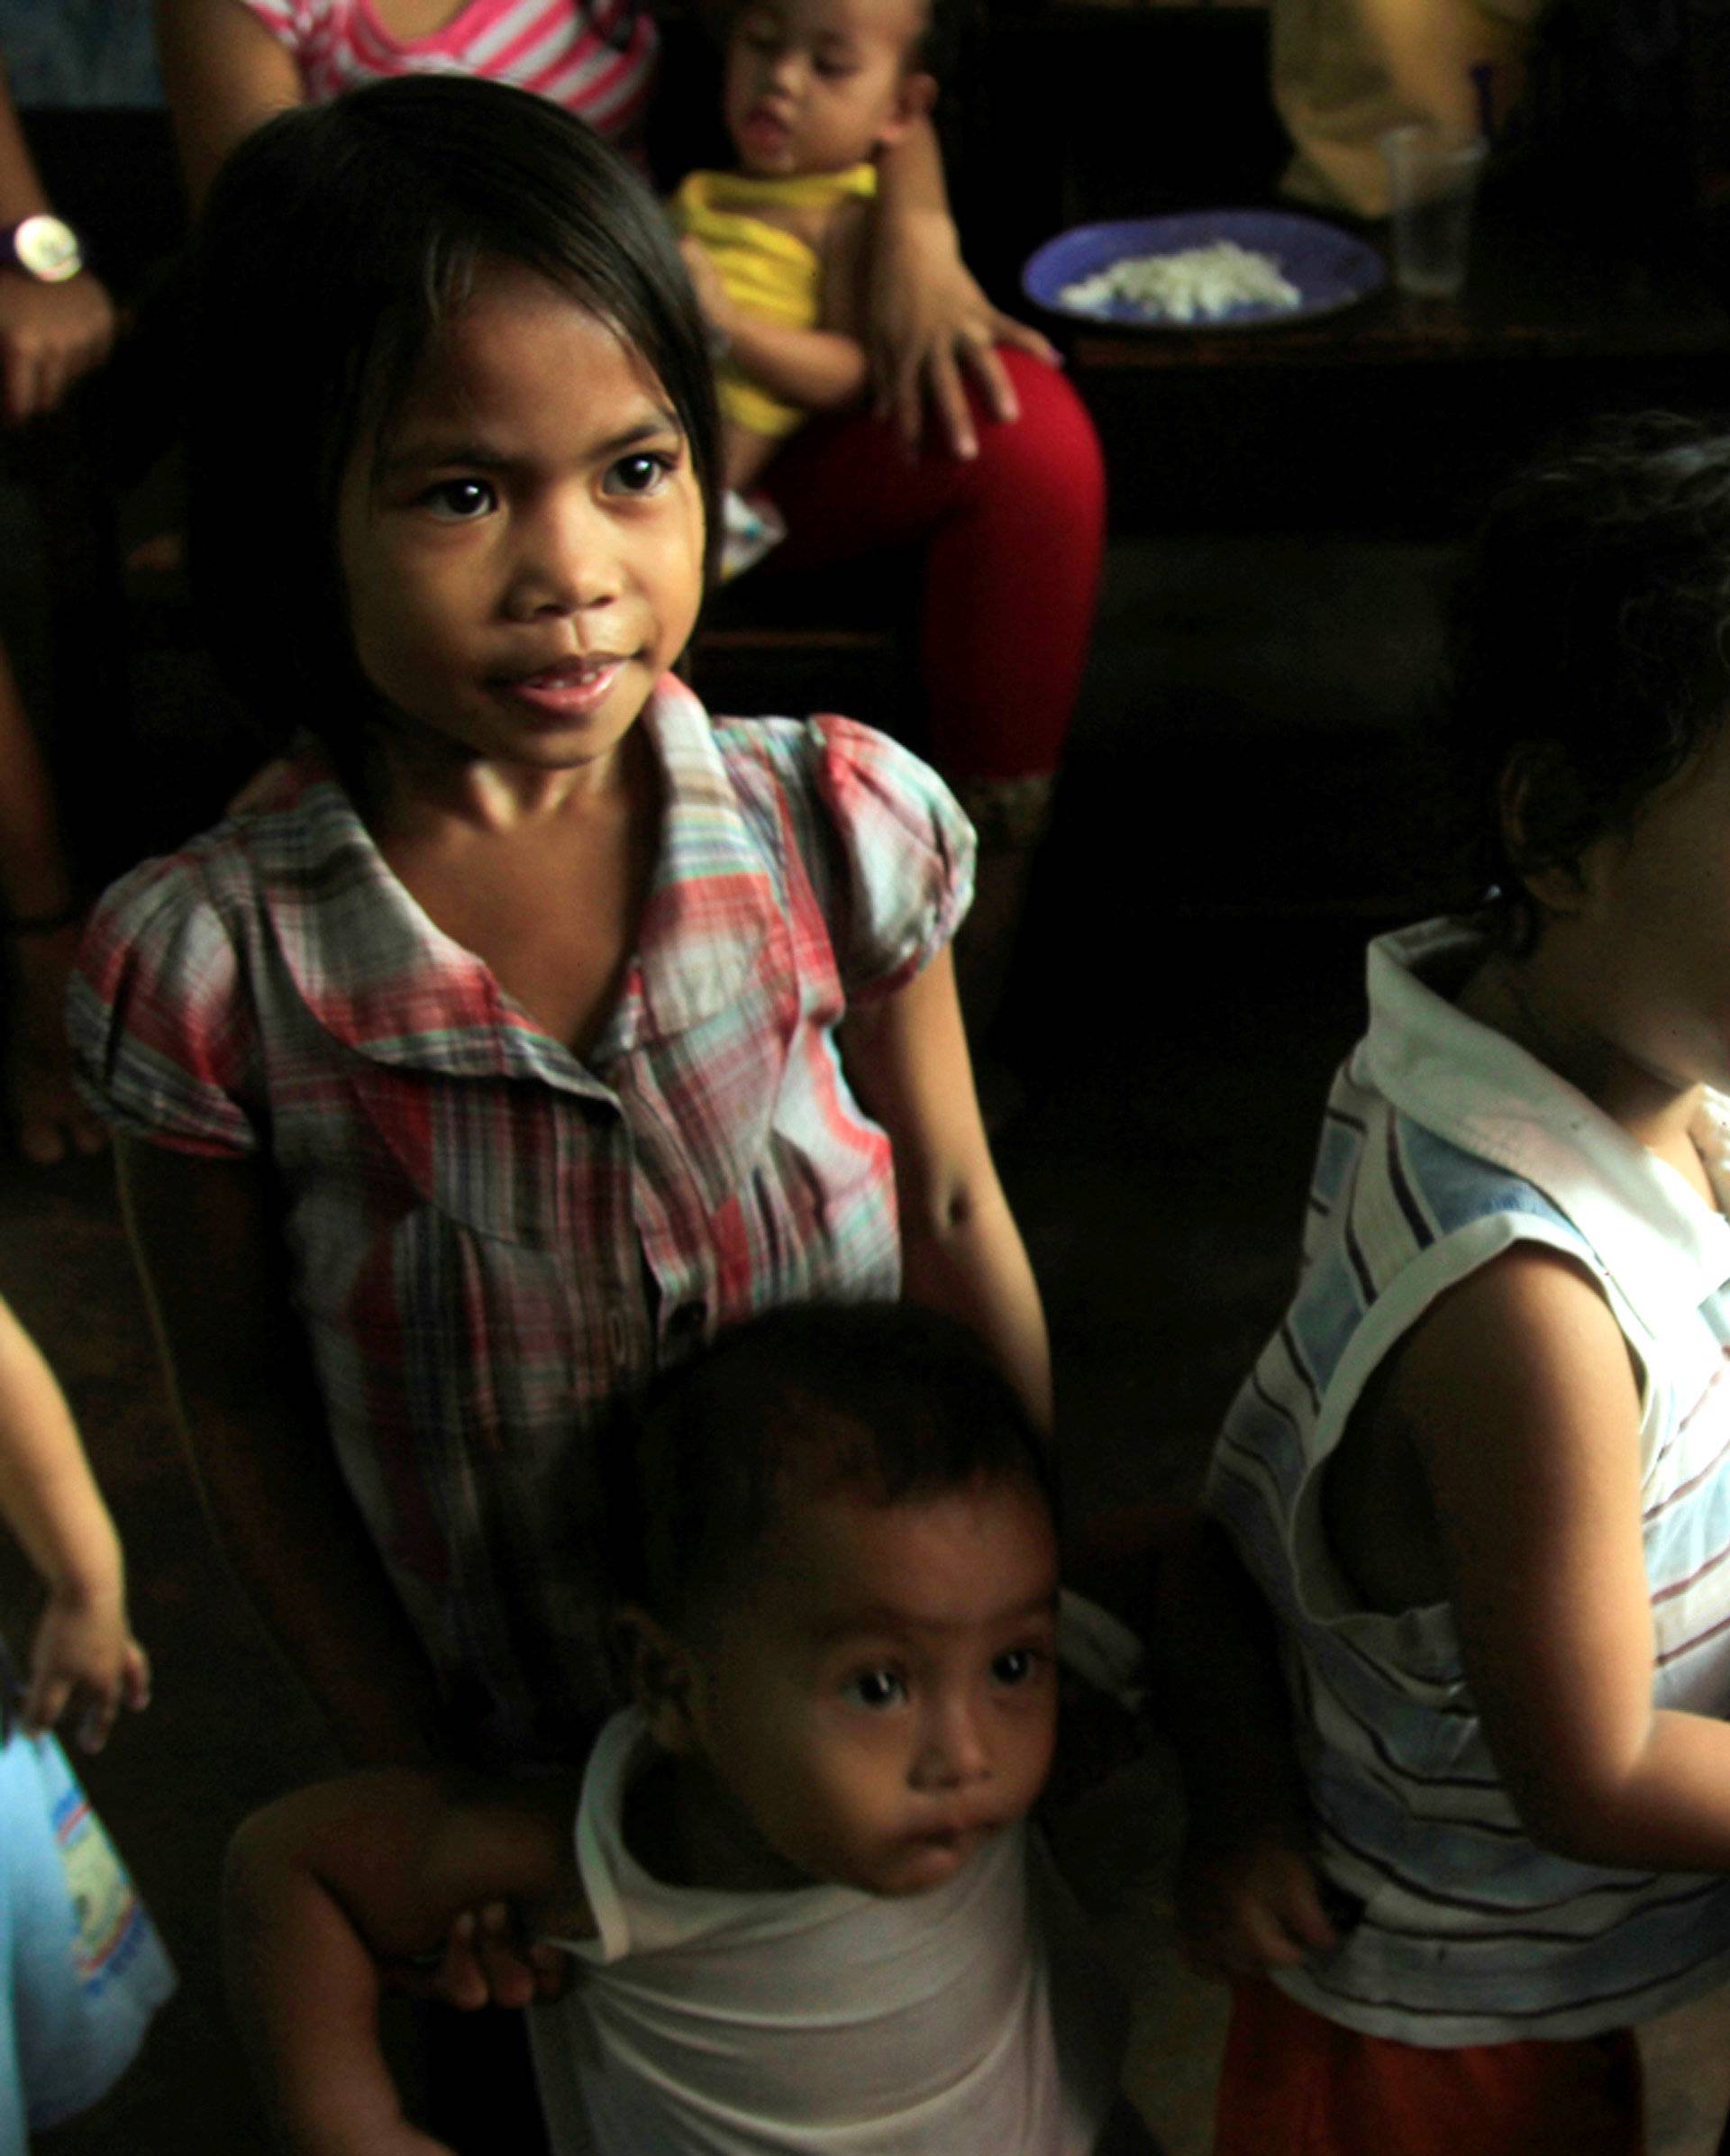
x,y
801,1906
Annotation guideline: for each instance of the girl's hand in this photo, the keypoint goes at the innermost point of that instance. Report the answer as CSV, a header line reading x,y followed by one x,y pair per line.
x,y
490,1958
1246,1906
929,331
84,1656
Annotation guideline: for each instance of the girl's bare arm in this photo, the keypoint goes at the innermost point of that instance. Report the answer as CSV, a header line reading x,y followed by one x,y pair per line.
x,y
224,74
1519,1397
961,1252
207,1242
325,1885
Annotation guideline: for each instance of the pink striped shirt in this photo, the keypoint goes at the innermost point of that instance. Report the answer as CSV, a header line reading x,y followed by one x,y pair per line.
x,y
597,60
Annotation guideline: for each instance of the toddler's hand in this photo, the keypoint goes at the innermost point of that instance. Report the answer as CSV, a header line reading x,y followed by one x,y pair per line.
x,y
84,1657
1244,1907
706,282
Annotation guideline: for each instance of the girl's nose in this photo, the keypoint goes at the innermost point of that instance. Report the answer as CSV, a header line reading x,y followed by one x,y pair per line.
x,y
567,561
953,1750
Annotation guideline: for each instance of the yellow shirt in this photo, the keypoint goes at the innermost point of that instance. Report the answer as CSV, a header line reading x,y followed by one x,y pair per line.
x,y
770,272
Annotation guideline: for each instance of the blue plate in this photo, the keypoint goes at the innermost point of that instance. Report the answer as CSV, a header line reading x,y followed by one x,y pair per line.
x,y
1330,267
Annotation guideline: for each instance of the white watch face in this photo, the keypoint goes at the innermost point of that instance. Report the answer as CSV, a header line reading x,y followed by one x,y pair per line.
x,y
47,248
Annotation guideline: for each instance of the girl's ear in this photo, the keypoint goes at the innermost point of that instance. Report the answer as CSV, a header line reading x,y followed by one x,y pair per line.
x,y
1539,794
663,1680
914,101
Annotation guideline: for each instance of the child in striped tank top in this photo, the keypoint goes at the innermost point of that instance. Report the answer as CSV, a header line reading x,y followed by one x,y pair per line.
x,y
1481,1472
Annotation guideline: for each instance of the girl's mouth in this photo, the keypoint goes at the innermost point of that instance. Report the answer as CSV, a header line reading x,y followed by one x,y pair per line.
x,y
568,689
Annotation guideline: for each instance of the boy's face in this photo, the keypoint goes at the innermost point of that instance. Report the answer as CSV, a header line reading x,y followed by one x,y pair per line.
x,y
884,1696
816,85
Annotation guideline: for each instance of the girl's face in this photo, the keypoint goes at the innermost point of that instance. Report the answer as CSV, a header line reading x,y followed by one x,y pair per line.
x,y
522,549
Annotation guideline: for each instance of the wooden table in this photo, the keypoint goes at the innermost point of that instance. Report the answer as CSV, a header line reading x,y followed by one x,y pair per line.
x,y
1399,412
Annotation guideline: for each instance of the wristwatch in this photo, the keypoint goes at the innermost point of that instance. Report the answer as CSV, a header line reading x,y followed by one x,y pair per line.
x,y
43,247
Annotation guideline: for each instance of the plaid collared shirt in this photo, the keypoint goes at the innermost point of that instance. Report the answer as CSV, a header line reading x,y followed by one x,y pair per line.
x,y
491,1240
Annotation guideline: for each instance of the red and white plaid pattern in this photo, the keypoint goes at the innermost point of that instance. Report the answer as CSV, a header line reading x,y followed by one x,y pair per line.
x,y
491,1240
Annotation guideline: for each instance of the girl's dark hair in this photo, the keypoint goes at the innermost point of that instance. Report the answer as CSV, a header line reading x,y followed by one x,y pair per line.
x,y
883,1398
1589,655
338,242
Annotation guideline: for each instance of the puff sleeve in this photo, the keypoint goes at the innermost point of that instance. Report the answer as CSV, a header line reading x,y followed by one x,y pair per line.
x,y
884,841
159,1017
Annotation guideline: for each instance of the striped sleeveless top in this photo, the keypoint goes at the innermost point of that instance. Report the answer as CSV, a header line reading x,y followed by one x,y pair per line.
x,y
597,60
1444,1144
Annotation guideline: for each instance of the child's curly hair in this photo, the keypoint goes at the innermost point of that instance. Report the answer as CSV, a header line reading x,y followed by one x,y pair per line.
x,y
1590,646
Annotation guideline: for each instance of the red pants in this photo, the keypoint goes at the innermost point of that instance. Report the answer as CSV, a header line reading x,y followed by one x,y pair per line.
x,y
1012,543
1295,2085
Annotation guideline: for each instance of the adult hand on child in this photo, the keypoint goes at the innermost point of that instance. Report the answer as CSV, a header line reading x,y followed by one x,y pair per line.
x,y
50,336
1246,1906
83,1656
930,331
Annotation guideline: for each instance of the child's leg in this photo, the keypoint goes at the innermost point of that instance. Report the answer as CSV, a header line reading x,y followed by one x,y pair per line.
x,y
1295,2083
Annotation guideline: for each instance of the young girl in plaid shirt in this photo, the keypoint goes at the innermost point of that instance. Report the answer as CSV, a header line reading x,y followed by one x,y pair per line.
x,y
525,1027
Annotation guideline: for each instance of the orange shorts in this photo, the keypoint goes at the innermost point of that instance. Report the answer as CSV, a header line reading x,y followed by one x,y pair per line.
x,y
1295,2084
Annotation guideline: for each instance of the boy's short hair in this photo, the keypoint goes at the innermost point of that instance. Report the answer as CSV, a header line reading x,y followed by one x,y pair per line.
x,y
338,242
885,1398
1588,645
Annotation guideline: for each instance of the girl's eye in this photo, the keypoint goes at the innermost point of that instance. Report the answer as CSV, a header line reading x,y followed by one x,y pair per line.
x,y
460,501
1015,1665
638,473
835,70
875,1689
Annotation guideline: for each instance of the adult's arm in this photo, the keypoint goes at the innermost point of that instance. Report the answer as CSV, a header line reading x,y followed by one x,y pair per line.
x,y
207,1242
224,74
49,334
905,1056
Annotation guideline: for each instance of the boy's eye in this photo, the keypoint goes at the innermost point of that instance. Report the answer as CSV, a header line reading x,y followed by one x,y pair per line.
x,y
1015,1665
460,500
835,70
875,1689
638,473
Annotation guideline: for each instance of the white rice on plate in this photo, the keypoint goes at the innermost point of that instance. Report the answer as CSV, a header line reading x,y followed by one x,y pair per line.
x,y
1194,284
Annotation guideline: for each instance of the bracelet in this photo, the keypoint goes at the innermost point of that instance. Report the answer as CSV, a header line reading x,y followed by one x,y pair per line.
x,y
41,924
